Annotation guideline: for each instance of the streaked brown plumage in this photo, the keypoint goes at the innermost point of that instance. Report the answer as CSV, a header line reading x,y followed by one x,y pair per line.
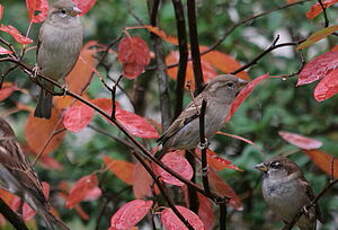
x,y
183,133
18,177
60,42
286,191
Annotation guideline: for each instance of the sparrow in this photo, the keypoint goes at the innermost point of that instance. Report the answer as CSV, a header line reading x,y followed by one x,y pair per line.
x,y
286,191
18,177
59,45
183,133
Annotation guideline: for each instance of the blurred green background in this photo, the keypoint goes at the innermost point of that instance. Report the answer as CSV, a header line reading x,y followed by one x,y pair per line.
x,y
275,105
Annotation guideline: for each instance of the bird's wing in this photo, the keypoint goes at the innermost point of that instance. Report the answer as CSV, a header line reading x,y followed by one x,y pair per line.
x,y
310,194
190,113
14,160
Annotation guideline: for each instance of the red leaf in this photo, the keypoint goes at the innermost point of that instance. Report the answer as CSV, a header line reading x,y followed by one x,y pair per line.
x,y
1,11
324,161
122,169
82,190
105,104
16,34
208,70
7,89
84,67
171,39
35,6
216,162
223,62
316,9
206,212
136,125
178,164
171,222
335,48
224,189
84,5
318,68
244,93
130,214
328,87
134,54
77,117
142,182
4,51
50,163
300,141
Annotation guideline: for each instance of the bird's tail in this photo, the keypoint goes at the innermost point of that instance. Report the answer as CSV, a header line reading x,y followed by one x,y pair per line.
x,y
44,106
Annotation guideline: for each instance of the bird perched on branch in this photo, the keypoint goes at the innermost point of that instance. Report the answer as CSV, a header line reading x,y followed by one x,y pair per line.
x,y
18,177
286,191
60,42
183,133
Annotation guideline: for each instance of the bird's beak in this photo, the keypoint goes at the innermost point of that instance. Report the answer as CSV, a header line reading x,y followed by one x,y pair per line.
x,y
262,167
242,83
76,11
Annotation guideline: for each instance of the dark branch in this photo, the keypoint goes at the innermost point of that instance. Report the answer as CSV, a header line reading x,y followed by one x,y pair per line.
x,y
183,50
194,45
203,147
12,217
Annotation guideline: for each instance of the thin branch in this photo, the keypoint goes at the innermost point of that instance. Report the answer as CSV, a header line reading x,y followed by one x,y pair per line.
x,y
115,138
273,46
183,59
12,217
326,19
44,147
113,94
248,19
203,147
194,45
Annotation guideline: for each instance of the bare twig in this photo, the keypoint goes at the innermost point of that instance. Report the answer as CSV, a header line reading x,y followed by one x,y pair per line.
x,y
326,19
273,46
203,147
248,19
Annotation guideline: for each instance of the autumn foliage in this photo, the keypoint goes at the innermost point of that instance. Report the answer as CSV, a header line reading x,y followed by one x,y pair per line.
x,y
121,130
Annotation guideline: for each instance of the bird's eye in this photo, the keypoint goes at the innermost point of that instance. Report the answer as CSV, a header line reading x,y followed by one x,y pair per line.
x,y
63,11
275,165
230,84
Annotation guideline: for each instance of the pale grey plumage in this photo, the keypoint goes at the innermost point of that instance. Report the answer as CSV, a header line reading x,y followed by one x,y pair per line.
x,y
60,42
183,133
286,191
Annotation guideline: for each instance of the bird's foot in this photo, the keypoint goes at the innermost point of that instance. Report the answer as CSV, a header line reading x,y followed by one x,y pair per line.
x,y
204,144
35,71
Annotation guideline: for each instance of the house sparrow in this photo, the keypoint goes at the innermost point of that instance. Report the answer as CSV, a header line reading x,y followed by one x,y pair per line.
x,y
183,133
60,42
18,177
287,191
